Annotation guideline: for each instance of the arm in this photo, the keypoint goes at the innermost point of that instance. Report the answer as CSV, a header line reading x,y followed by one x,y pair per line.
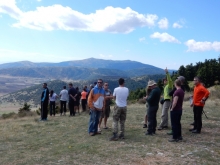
x,y
90,100
206,95
175,99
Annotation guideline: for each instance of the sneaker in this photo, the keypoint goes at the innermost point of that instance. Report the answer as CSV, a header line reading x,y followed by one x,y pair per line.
x,y
180,138
114,137
173,140
92,134
147,133
160,128
195,131
145,126
121,136
99,130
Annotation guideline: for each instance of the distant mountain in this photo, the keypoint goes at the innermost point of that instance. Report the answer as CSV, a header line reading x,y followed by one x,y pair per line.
x,y
86,63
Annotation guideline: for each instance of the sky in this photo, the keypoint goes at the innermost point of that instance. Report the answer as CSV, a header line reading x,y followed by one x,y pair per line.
x,y
162,33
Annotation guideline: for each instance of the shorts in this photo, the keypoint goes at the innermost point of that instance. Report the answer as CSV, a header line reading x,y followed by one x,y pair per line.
x,y
106,112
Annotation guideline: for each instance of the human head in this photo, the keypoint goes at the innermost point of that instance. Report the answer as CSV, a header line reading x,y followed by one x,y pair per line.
x,y
177,83
51,92
196,80
99,83
121,81
91,86
105,85
64,87
44,85
151,84
182,79
77,88
70,85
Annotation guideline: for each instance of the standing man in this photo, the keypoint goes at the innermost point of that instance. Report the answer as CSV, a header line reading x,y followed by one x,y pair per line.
x,y
106,111
153,105
72,98
120,94
44,102
96,103
168,83
200,95
63,100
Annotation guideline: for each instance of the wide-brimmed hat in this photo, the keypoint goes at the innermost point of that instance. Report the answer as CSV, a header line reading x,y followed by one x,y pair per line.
x,y
151,83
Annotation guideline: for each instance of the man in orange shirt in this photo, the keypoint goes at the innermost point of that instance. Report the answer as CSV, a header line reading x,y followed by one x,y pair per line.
x,y
200,95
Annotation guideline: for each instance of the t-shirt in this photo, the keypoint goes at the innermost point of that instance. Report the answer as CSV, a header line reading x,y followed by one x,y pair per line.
x,y
180,94
121,94
64,95
53,98
83,95
72,91
107,101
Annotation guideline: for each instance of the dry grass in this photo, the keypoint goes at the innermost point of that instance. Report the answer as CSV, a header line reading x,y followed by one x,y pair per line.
x,y
64,140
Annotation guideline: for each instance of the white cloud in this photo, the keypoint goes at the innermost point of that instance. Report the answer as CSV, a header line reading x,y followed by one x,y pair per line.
x,y
39,0
163,23
194,46
142,39
58,17
177,25
165,37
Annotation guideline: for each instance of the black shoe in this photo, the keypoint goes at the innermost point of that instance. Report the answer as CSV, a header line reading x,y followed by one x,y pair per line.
x,y
173,140
192,123
114,137
148,133
121,136
145,126
195,131
192,129
180,138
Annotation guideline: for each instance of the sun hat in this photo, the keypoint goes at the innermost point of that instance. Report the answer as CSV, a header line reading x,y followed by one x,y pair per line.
x,y
151,83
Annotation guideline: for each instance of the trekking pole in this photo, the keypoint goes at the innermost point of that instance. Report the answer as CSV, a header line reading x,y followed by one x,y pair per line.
x,y
204,114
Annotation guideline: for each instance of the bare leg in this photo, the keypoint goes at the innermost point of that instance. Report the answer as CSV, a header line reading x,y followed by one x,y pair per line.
x,y
145,119
105,122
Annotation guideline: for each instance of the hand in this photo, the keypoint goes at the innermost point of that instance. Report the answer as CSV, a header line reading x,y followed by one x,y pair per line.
x,y
166,70
191,105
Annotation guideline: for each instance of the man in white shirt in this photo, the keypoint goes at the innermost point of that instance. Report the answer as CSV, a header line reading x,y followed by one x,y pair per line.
x,y
120,94
63,99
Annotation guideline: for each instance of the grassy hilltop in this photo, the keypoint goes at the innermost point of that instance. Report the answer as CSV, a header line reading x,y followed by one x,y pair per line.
x,y
64,140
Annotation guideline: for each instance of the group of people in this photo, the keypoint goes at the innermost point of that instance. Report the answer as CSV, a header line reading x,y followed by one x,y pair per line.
x,y
99,97
172,101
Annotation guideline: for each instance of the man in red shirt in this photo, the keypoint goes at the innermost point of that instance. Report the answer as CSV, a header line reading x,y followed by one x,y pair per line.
x,y
200,95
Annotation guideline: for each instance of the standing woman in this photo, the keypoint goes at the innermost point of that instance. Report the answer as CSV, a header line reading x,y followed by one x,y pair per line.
x,y
83,99
52,98
176,112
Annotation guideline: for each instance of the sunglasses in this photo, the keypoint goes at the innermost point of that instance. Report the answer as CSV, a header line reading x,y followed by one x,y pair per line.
x,y
99,82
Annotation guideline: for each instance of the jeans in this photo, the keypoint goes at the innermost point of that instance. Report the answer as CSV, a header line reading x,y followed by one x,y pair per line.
x,y
52,108
62,106
94,121
198,117
175,116
152,118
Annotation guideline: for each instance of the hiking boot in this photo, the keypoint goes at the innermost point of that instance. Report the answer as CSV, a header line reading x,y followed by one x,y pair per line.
x,y
145,126
148,133
121,136
114,137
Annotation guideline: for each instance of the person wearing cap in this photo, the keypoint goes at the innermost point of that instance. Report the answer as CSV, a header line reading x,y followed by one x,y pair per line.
x,y
200,94
167,100
153,105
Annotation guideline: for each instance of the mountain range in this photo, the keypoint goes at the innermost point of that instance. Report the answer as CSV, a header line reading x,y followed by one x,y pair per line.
x,y
79,69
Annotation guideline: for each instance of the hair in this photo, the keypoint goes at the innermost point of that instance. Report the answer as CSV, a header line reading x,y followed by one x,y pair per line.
x,y
178,82
198,78
51,93
77,88
84,89
121,81
45,84
165,79
64,87
98,80
70,84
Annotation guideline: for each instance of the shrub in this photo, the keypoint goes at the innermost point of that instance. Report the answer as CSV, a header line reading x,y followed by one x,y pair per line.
x,y
8,115
25,108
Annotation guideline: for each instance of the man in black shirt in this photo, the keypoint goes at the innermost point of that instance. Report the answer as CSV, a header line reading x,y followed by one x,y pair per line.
x,y
72,99
44,102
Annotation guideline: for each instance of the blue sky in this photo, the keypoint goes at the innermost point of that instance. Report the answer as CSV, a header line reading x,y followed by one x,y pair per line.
x,y
161,33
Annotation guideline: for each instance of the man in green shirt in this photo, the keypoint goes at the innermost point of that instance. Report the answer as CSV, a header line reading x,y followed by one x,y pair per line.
x,y
168,84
